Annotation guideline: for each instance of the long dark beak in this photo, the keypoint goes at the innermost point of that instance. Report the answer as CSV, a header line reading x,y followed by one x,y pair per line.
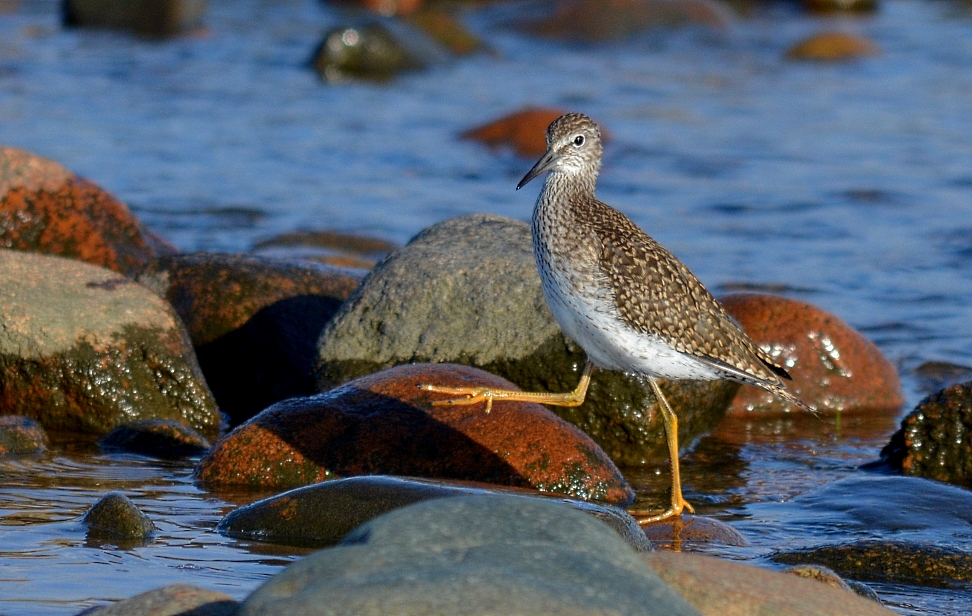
x,y
546,162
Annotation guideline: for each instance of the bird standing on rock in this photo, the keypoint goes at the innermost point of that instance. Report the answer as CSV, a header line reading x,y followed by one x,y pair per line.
x,y
620,295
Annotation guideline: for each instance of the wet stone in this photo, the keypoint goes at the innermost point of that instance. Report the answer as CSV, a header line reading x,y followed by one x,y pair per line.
x,y
21,435
467,290
524,131
159,438
830,578
688,531
322,514
47,209
174,600
833,366
83,349
471,555
383,424
371,52
934,440
254,321
117,517
717,587
833,47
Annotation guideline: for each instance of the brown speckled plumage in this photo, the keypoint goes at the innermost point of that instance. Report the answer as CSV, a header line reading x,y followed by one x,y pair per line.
x,y
621,295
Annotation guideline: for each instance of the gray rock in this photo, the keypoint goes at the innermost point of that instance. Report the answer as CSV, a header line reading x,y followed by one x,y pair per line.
x,y
467,291
472,555
322,514
115,516
84,349
174,600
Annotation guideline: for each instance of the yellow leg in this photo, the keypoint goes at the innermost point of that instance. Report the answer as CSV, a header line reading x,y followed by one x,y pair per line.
x,y
671,434
473,395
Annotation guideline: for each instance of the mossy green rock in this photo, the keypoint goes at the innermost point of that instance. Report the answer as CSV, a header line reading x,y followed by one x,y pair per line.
x,y
84,349
934,439
467,291
115,516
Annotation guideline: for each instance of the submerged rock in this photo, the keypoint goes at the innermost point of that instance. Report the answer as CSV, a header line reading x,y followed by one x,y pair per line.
x,y
254,321
834,367
525,131
160,438
322,514
833,47
21,435
45,208
83,349
472,555
934,439
467,290
174,600
717,587
115,516
687,531
384,424
370,52
596,20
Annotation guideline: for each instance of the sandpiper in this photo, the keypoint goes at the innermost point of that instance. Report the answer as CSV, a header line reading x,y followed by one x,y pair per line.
x,y
625,299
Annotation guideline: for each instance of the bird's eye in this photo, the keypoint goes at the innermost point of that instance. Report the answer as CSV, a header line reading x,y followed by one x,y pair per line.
x,y
579,140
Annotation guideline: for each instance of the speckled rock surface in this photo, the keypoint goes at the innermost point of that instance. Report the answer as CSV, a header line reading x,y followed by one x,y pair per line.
x,y
115,516
833,366
595,20
383,424
45,208
254,321
174,600
21,435
85,349
934,439
472,555
830,578
159,438
322,514
467,290
717,587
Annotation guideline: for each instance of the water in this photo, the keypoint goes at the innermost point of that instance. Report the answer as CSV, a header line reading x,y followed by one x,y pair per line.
x,y
848,184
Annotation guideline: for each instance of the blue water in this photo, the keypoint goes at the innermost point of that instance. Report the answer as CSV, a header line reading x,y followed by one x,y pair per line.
x,y
849,184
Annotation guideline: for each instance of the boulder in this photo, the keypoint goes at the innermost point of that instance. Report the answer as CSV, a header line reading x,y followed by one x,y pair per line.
x,y
472,555
84,349
833,366
322,514
21,435
383,424
45,208
467,290
254,321
934,440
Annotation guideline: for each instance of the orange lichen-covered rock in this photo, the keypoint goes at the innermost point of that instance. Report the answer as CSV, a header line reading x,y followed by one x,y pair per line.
x,y
833,366
832,47
384,424
525,131
46,208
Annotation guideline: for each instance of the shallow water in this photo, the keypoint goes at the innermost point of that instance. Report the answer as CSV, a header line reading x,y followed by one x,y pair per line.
x,y
850,186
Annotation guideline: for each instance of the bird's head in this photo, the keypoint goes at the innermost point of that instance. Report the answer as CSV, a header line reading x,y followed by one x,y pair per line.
x,y
573,148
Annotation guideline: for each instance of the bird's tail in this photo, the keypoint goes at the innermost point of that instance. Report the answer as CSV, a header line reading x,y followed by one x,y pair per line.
x,y
783,394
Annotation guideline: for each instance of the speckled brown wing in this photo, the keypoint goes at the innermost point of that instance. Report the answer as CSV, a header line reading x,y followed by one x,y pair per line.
x,y
656,294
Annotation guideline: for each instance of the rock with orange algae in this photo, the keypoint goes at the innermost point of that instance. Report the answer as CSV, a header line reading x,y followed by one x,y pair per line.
x,y
717,587
525,131
383,424
45,208
21,435
833,366
254,321
832,47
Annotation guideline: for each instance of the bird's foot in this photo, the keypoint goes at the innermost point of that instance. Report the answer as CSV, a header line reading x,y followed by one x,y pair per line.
x,y
645,516
470,395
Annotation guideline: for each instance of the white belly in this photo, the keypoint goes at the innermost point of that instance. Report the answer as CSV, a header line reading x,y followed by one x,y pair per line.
x,y
590,320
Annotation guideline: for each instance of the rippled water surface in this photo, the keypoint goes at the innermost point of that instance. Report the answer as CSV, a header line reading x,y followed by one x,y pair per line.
x,y
849,186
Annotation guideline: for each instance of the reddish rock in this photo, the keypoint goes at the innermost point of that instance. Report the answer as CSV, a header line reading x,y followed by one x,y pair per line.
x,y
832,47
46,208
21,435
606,20
525,131
834,368
717,587
686,531
383,424
446,30
254,321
